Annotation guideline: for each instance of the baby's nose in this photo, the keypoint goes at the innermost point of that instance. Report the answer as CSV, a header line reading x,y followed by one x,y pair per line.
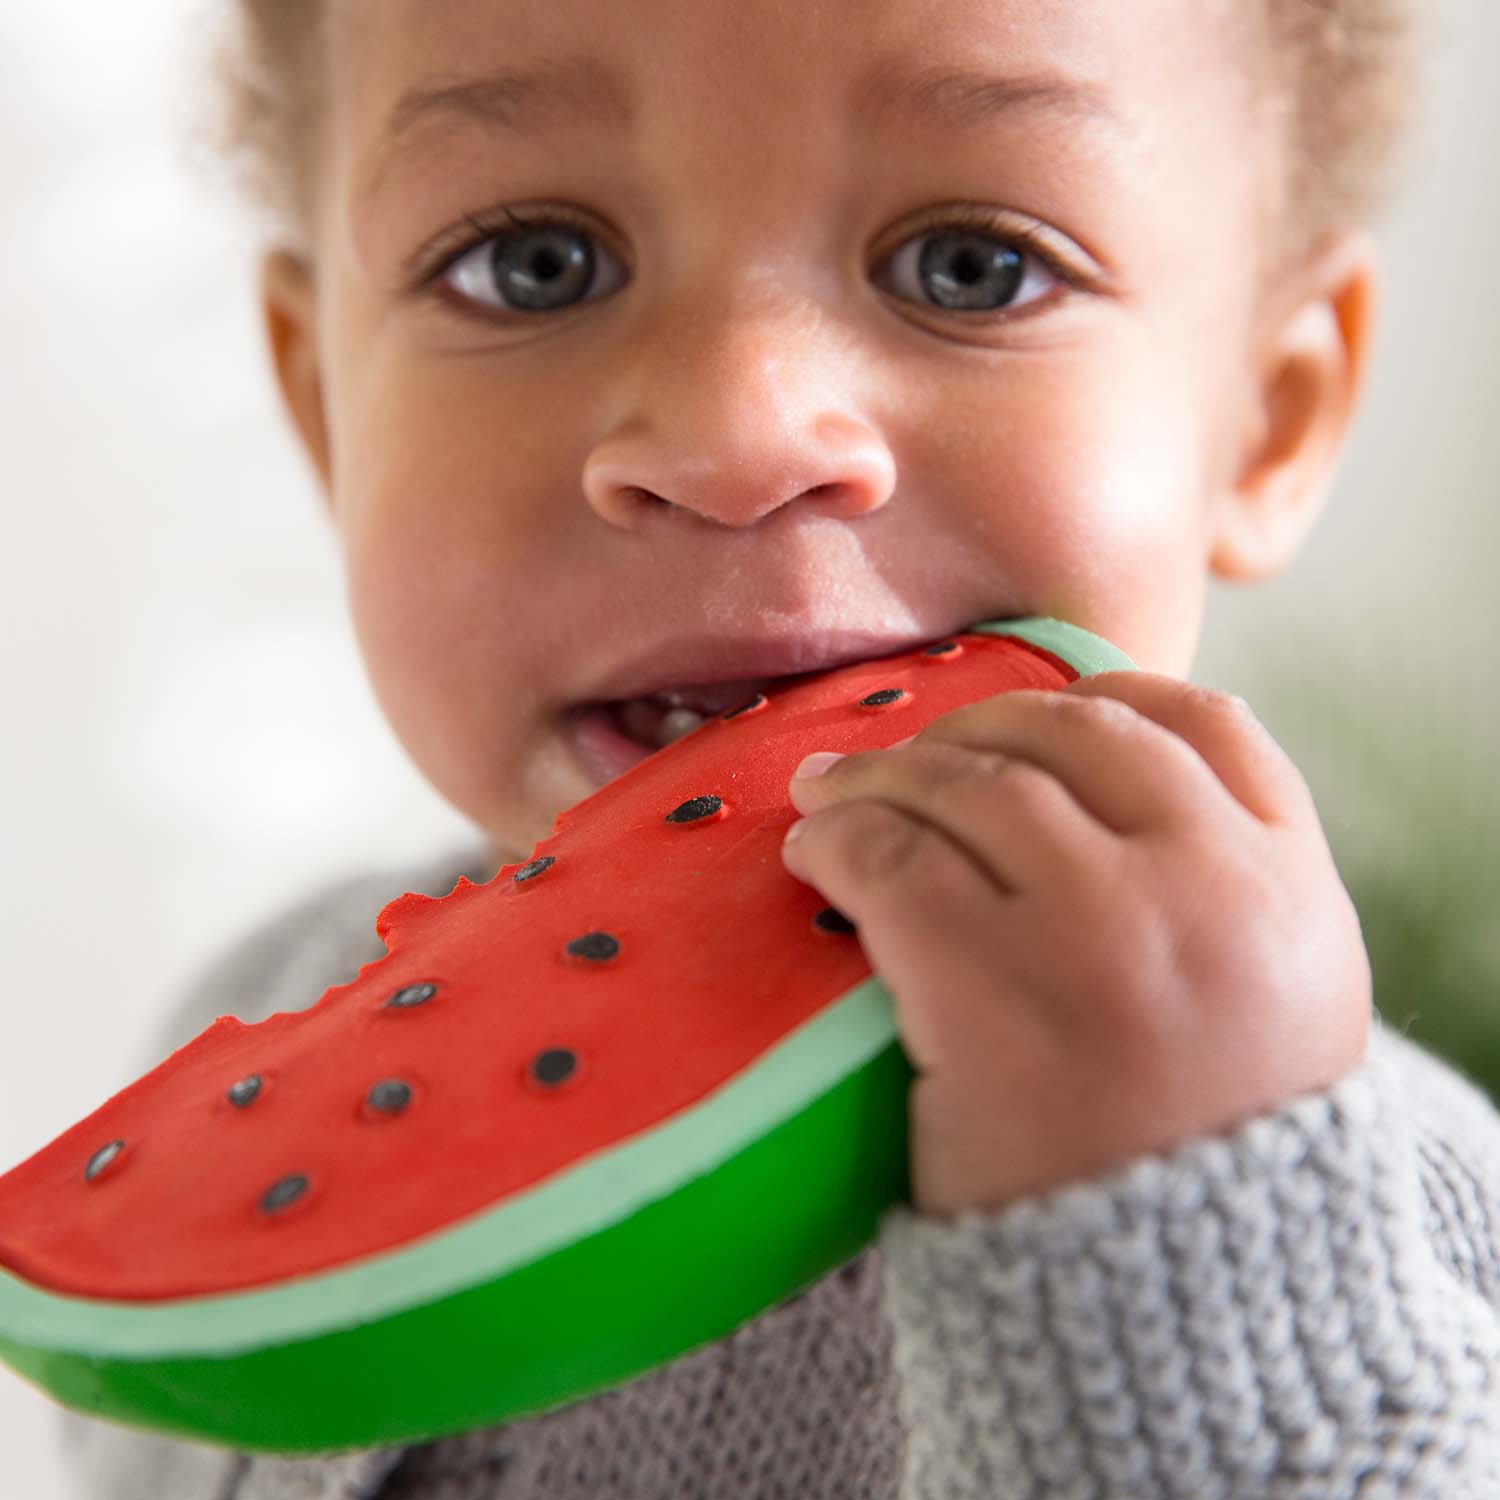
x,y
845,486
842,466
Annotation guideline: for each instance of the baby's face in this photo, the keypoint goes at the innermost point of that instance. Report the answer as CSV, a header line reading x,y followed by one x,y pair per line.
x,y
806,357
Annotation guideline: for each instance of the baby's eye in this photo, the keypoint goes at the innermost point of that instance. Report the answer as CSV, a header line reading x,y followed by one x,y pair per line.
x,y
542,267
970,268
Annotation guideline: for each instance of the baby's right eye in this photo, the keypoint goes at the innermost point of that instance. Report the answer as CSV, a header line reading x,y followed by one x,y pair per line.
x,y
544,266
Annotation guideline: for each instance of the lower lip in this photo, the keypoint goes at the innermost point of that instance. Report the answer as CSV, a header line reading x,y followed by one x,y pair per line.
x,y
604,752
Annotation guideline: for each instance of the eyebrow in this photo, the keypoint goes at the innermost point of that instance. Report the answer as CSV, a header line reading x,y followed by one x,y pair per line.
x,y
514,100
520,101
517,98
970,97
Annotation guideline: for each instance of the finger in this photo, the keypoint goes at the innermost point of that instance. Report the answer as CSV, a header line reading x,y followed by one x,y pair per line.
x,y
931,922
1224,732
1125,770
1012,818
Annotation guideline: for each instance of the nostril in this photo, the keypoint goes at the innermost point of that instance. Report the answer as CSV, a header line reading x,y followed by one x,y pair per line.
x,y
635,500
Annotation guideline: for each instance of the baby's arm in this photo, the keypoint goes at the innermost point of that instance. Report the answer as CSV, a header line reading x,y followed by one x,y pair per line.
x,y
1308,1306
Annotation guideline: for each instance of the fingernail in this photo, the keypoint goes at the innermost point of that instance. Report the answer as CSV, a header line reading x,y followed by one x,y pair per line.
x,y
815,765
794,832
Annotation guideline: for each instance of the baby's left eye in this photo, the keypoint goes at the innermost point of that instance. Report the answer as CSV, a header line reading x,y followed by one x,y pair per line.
x,y
966,269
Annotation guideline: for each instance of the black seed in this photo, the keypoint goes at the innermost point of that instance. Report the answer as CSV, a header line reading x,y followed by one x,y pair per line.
x,y
830,919
885,695
943,648
597,946
693,809
553,1066
280,1194
746,706
101,1159
390,1096
412,994
243,1093
535,867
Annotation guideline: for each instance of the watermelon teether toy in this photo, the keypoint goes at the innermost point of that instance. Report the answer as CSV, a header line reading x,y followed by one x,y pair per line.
x,y
579,1120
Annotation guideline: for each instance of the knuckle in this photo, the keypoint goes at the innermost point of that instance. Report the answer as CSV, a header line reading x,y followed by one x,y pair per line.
x,y
964,786
1025,781
1095,709
956,767
1219,704
959,782
875,843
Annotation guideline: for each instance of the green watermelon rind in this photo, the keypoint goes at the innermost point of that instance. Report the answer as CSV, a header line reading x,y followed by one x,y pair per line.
x,y
311,1364
588,1197
312,1358
1086,653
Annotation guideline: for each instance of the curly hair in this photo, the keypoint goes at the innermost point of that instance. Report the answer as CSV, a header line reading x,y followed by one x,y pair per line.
x,y
1341,77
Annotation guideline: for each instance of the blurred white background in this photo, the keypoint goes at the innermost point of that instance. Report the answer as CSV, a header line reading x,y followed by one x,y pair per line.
x,y
189,740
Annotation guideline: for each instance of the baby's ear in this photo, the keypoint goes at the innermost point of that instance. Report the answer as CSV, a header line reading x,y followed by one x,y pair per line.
x,y
288,298
1309,370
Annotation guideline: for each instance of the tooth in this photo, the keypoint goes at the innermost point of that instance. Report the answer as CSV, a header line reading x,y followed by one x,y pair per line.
x,y
675,724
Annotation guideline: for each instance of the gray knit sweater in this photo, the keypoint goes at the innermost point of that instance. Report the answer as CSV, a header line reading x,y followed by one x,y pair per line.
x,y
1306,1307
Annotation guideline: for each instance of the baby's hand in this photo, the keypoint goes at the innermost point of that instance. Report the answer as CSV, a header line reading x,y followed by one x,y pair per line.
x,y
1109,921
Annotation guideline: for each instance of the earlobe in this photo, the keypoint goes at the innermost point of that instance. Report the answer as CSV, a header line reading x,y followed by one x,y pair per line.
x,y
289,308
1311,372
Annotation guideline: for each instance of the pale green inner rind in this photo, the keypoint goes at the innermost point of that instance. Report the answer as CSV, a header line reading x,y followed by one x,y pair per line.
x,y
589,1197
597,1193
1085,652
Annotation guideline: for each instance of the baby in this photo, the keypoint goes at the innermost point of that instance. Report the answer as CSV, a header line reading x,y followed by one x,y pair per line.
x,y
648,349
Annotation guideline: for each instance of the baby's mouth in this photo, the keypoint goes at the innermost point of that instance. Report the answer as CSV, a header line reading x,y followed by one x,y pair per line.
x,y
612,738
658,719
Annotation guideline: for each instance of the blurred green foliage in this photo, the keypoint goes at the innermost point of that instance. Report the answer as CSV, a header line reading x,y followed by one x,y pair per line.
x,y
1397,740
1433,978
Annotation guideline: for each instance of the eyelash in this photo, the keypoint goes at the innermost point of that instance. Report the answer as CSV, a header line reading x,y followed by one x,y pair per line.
x,y
435,261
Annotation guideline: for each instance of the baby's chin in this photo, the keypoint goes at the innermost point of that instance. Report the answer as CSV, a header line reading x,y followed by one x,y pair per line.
x,y
522,812
503,850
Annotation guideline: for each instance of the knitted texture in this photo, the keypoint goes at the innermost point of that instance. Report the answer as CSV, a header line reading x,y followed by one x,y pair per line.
x,y
1261,1315
799,1402
1307,1307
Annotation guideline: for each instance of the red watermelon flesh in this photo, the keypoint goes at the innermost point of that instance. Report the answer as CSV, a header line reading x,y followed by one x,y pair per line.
x,y
649,951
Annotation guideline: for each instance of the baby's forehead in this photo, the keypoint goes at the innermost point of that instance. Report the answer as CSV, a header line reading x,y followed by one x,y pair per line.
x,y
852,55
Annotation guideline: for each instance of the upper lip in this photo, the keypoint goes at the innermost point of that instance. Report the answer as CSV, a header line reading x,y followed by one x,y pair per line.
x,y
703,661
